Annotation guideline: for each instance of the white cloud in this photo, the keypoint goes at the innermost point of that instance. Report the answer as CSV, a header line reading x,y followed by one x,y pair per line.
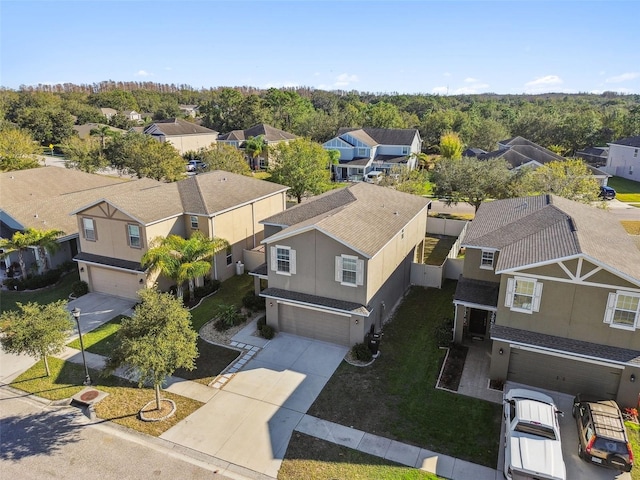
x,y
470,80
440,90
466,90
345,79
143,73
544,81
625,77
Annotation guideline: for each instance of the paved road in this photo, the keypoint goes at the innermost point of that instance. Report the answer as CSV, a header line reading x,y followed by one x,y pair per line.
x,y
40,442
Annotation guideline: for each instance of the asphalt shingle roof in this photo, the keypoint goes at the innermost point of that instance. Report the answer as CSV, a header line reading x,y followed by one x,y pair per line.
x,y
269,133
109,261
531,230
628,142
519,151
382,136
176,127
478,292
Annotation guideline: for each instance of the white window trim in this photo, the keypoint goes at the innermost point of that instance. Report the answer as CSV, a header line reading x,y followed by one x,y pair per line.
x,y
611,307
535,300
359,271
129,236
274,260
93,229
229,256
194,225
405,150
493,259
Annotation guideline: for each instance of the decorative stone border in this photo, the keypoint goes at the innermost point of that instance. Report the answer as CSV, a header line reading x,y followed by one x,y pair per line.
x,y
144,418
358,363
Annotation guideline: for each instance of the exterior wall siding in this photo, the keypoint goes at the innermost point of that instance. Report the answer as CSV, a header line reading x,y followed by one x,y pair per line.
x,y
623,161
187,143
472,268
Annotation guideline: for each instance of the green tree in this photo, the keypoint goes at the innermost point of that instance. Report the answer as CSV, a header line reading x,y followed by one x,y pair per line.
x,y
84,155
471,180
18,150
451,146
383,115
103,132
302,166
46,242
254,146
155,341
36,330
570,179
48,125
182,260
225,157
486,133
20,242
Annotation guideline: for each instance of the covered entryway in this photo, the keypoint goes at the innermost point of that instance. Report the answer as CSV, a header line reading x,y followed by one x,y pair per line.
x,y
478,321
114,282
315,324
562,373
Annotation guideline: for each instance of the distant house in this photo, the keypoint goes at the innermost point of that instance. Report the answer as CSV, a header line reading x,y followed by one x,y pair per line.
x,y
624,158
596,156
189,110
84,131
363,150
132,116
184,136
337,264
108,112
271,136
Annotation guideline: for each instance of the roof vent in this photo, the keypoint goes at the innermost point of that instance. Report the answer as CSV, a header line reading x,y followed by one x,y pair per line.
x,y
35,216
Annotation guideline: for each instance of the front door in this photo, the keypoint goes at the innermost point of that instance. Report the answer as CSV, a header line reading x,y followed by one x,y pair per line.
x,y
478,322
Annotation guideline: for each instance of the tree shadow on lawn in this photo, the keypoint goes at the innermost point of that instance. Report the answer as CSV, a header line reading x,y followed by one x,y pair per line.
x,y
212,360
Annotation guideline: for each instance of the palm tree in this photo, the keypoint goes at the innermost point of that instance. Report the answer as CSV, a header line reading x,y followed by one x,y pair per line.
x,y
103,131
254,146
182,260
20,242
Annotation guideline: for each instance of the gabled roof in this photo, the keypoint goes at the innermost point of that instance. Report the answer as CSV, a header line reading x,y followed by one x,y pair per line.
x,y
628,142
84,130
363,216
382,136
269,134
519,151
176,127
594,151
534,230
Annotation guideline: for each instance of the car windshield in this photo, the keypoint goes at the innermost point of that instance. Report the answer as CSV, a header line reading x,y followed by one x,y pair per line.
x,y
536,429
610,446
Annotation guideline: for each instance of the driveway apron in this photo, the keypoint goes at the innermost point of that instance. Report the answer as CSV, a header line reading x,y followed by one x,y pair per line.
x,y
250,420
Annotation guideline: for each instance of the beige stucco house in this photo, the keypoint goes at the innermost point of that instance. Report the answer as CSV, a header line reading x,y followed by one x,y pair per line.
x,y
555,286
184,136
116,228
270,135
337,264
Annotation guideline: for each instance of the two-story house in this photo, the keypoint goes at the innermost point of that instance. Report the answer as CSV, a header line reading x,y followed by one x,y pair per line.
x,y
363,150
184,136
623,158
116,229
555,285
337,264
271,136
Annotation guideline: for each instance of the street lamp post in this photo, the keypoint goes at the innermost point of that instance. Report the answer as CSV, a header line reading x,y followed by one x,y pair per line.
x,y
76,314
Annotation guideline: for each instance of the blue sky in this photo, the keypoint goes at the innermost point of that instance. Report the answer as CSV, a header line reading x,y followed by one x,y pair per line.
x,y
433,47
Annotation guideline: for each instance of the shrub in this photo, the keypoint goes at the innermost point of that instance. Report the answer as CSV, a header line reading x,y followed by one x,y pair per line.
x,y
361,352
444,333
35,282
253,302
209,286
80,288
262,321
267,331
228,317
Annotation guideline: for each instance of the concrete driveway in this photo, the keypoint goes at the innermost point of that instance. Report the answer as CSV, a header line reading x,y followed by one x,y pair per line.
x,y
250,420
577,469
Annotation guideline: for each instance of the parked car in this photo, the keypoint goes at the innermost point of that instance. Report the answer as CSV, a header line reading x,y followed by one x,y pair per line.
x,y
532,437
607,193
196,166
373,177
602,437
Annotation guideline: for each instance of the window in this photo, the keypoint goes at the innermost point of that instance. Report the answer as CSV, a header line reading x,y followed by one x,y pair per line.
x,y
134,236
623,310
194,222
349,270
263,163
361,152
283,260
523,294
405,150
229,256
89,229
487,259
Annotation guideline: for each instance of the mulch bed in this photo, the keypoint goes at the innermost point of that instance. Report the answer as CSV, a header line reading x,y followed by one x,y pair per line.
x,y
452,371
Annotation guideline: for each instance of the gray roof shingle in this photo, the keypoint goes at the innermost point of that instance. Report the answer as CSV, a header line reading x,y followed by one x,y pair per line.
x,y
177,127
628,142
269,134
332,303
478,292
382,136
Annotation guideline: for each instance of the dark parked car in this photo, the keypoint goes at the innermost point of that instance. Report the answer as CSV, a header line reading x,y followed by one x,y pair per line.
x,y
602,438
607,193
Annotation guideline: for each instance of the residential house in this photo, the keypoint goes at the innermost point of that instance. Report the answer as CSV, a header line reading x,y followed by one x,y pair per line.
x,y
271,136
117,228
624,158
596,156
337,264
108,112
363,150
184,136
132,116
189,110
554,285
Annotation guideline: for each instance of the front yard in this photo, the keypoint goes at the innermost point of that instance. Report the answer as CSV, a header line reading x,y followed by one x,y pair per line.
x,y
395,397
60,291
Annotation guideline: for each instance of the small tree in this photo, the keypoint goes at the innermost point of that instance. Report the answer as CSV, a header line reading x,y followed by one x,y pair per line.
x,y
18,150
451,146
254,146
36,330
156,341
570,179
224,157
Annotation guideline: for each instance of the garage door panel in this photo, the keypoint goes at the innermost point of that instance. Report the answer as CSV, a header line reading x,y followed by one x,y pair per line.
x,y
314,324
563,374
114,282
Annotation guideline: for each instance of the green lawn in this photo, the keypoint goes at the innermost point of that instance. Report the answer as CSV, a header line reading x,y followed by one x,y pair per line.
x,y
122,404
230,293
314,459
60,291
633,431
436,248
626,190
395,397
101,340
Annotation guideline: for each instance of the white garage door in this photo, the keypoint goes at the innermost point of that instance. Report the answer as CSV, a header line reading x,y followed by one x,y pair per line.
x,y
314,324
114,282
563,374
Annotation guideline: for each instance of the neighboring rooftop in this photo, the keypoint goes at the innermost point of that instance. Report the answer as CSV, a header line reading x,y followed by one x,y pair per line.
x,y
268,133
518,151
381,136
628,142
175,127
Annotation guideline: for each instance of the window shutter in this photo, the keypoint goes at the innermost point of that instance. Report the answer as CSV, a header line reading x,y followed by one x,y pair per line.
x,y
274,260
611,306
537,295
359,272
338,268
508,298
292,262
